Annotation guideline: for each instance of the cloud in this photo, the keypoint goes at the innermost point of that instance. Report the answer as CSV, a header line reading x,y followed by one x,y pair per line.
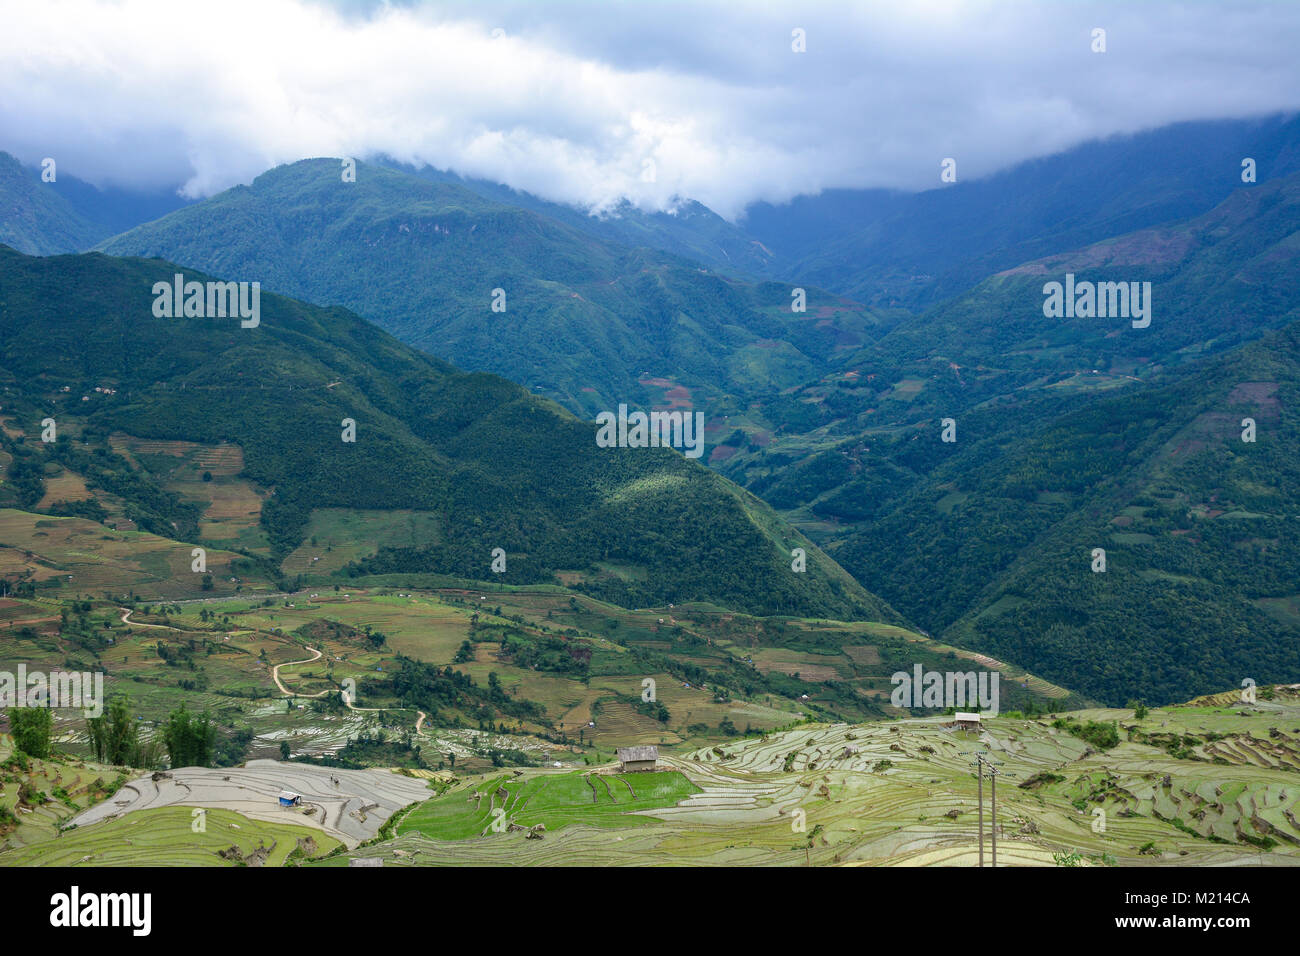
x,y
589,103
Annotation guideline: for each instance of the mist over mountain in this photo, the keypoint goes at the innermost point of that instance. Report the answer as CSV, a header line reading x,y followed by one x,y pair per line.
x,y
66,214
912,250
588,321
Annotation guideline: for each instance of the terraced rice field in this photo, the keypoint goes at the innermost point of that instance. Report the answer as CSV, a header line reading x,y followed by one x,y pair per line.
x,y
65,486
208,475
812,667
890,793
89,558
1213,782
551,800
347,805
904,793
167,837
67,788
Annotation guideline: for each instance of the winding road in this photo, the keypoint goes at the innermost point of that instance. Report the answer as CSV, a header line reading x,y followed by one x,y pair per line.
x,y
275,676
275,673
347,701
126,619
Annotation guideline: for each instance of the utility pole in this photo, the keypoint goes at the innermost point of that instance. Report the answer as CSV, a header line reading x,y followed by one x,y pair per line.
x,y
993,804
983,763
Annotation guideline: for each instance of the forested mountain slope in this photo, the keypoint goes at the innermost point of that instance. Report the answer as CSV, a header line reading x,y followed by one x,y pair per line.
x,y
492,287
496,467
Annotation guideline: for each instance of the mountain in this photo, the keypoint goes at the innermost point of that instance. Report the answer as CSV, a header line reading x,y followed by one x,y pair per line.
x,y
912,250
1070,434
478,461
833,416
68,215
690,230
596,314
897,249
994,546
1215,281
586,321
35,218
988,541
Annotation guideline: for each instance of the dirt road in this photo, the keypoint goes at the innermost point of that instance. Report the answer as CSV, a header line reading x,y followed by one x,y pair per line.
x,y
275,676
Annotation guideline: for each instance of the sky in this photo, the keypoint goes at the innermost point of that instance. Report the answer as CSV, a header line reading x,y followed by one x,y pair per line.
x,y
592,103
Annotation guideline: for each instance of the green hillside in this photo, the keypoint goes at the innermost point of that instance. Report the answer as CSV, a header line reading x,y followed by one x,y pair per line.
x,y
586,321
133,395
35,218
988,540
1074,434
1217,281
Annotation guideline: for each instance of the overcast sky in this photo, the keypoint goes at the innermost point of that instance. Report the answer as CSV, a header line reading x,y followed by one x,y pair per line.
x,y
575,101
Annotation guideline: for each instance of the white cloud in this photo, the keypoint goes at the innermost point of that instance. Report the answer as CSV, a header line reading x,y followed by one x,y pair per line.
x,y
574,98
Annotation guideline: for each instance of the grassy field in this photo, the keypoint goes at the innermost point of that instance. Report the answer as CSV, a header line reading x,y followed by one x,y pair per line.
x,y
551,800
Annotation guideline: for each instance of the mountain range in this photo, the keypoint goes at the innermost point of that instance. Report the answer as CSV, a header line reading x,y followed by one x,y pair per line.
x,y
587,321
924,318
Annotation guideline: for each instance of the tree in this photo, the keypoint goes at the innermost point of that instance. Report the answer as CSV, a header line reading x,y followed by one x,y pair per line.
x,y
190,738
284,750
31,728
114,736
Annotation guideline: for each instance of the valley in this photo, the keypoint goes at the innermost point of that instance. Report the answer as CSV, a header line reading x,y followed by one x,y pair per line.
x,y
412,512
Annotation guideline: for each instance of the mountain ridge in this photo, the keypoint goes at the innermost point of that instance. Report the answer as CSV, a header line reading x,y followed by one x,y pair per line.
x,y
499,467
